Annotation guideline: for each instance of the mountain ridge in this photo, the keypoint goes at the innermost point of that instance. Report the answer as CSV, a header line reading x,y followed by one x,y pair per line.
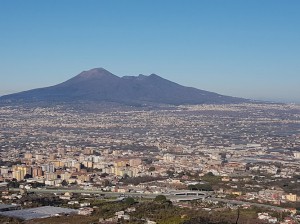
x,y
99,85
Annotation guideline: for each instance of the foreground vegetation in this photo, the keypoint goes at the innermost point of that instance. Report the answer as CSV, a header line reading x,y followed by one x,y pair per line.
x,y
159,210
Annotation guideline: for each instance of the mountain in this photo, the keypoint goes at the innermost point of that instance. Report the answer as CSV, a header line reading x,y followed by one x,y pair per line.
x,y
100,86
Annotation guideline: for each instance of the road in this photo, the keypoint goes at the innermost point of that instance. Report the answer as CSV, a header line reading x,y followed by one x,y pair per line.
x,y
170,196
82,191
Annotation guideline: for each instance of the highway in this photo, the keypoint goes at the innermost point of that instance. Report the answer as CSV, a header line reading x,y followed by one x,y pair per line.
x,y
171,196
86,191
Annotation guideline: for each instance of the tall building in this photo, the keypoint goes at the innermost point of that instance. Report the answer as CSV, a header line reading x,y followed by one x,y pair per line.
x,y
135,162
19,172
37,172
88,151
49,168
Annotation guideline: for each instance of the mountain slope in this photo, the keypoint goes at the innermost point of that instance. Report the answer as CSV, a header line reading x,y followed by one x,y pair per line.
x,y
99,85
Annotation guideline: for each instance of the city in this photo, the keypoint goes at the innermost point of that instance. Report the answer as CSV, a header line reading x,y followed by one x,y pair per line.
x,y
238,155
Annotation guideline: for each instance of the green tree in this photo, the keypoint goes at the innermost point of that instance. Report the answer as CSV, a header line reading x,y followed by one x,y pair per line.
x,y
106,183
103,175
13,184
37,184
160,198
64,183
200,187
151,169
129,201
27,176
209,174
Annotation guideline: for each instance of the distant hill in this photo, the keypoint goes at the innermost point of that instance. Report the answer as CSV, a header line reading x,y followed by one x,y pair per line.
x,y
100,86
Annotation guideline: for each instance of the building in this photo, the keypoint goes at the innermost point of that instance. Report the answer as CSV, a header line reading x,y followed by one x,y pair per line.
x,y
297,155
19,172
291,197
37,172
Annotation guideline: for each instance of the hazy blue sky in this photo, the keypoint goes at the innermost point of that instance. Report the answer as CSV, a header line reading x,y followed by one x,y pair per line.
x,y
242,48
